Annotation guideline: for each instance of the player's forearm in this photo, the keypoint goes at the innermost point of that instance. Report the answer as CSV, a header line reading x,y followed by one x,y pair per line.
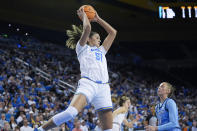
x,y
166,126
86,31
106,26
86,23
130,124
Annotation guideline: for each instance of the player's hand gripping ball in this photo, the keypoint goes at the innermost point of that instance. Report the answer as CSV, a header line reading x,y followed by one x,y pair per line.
x,y
89,10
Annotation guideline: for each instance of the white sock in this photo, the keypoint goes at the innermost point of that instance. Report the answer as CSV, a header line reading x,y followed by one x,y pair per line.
x,y
40,129
108,130
65,116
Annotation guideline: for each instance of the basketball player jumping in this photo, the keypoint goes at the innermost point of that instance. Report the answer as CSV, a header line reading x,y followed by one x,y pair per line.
x,y
93,86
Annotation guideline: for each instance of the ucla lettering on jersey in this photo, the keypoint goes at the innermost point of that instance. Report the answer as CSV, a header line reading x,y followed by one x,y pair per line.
x,y
93,63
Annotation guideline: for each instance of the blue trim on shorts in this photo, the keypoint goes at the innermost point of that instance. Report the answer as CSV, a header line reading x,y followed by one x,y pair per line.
x,y
98,82
104,108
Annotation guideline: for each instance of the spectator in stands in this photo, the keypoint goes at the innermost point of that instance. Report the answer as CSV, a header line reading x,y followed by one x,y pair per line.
x,y
77,125
98,126
151,119
6,127
17,128
12,123
64,127
84,126
2,120
25,126
194,126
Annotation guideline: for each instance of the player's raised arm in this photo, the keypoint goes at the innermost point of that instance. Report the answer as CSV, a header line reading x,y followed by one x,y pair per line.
x,y
86,26
109,29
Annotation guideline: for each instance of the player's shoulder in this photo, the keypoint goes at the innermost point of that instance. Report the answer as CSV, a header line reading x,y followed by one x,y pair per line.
x,y
170,102
79,48
78,45
102,49
122,109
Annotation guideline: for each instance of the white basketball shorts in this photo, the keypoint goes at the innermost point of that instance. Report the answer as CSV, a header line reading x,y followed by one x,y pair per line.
x,y
97,94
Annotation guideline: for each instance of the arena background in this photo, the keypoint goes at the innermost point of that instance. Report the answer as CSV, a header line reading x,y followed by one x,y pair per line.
x,y
164,49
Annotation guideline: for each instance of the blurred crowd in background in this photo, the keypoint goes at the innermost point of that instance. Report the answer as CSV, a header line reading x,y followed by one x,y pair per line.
x,y
31,92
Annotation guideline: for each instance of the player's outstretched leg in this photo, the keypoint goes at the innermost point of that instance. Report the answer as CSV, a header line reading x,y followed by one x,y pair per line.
x,y
77,104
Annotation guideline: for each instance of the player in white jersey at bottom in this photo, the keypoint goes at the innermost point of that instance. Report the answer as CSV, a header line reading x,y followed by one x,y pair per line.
x,y
93,87
120,114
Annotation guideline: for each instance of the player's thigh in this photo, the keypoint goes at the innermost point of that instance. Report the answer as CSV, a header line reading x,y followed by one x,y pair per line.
x,y
84,94
79,101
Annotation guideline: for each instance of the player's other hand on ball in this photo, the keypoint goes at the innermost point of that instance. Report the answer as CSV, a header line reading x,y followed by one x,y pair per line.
x,y
96,18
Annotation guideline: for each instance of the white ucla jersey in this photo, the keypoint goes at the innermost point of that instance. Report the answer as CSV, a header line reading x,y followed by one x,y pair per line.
x,y
119,118
93,63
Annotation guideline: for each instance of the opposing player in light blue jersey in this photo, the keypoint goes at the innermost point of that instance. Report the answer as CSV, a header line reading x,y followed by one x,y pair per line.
x,y
166,110
93,86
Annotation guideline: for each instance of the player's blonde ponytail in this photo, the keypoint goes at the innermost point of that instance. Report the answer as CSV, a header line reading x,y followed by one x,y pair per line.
x,y
73,36
171,89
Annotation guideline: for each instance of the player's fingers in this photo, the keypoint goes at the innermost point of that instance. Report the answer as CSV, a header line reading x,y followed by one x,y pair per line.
x,y
82,9
78,12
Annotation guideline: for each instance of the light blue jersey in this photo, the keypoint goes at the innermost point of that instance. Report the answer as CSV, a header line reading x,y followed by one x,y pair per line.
x,y
167,115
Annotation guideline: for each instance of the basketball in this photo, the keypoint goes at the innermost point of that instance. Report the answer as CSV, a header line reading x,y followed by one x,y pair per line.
x,y
89,10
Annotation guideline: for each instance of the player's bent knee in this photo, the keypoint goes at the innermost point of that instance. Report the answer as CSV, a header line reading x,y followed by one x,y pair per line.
x,y
65,116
